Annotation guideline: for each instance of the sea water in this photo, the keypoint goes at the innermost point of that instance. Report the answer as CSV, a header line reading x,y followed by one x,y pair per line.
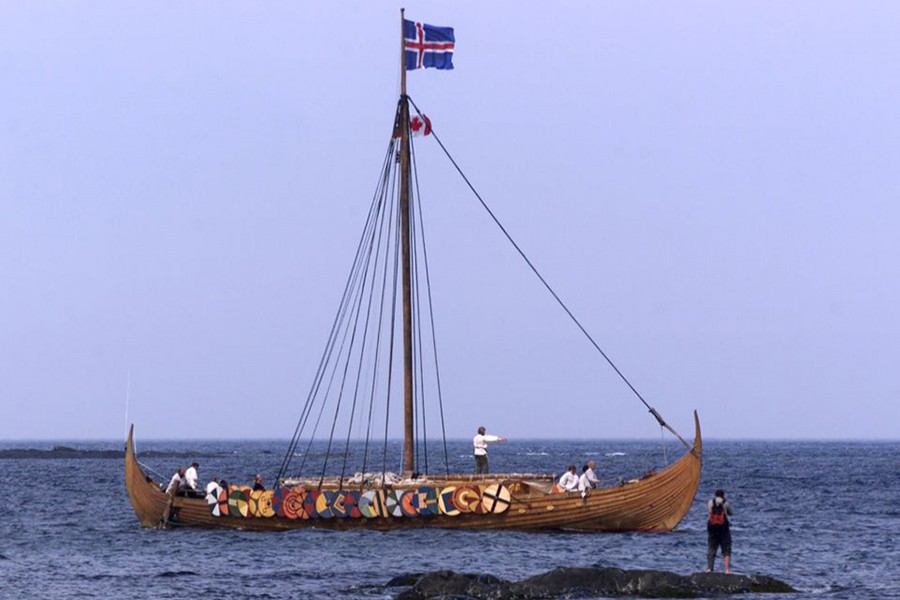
x,y
822,516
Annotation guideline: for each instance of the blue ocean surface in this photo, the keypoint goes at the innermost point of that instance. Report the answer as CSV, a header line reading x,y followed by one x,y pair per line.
x,y
822,516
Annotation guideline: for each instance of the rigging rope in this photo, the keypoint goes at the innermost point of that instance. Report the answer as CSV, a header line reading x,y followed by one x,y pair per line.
x,y
390,221
377,245
387,412
347,302
357,310
544,281
161,478
418,363
360,287
352,331
346,343
437,370
338,319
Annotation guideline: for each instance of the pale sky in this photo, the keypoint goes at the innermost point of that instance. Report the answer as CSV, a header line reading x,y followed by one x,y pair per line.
x,y
712,188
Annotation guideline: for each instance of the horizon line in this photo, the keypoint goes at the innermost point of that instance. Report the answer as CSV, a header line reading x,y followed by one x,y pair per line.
x,y
453,439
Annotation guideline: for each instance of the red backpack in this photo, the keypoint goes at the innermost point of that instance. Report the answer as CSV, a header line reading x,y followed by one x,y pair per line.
x,y
717,514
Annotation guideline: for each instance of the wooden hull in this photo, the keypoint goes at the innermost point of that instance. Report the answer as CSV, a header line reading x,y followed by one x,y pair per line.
x,y
655,503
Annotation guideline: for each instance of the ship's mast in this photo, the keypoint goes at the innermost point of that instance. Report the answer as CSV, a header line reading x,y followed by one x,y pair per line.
x,y
408,433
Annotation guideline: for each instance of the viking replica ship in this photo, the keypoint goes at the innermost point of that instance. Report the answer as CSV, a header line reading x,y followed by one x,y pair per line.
x,y
390,275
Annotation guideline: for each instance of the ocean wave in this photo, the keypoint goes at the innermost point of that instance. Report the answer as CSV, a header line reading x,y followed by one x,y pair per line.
x,y
52,554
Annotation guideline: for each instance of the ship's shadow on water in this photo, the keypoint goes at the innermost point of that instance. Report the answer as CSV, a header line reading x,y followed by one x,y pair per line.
x,y
820,516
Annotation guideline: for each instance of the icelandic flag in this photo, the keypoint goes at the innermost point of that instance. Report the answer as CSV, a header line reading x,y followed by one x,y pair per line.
x,y
427,46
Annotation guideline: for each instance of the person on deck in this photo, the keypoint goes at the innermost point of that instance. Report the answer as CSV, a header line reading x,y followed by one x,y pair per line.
x,y
176,484
480,442
175,487
569,480
588,480
258,483
591,475
718,531
213,488
191,477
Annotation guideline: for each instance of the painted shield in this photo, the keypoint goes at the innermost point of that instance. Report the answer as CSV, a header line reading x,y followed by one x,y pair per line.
x,y
371,504
237,503
495,499
427,501
466,498
341,505
264,505
324,505
253,502
223,502
409,500
351,501
247,491
478,506
309,503
278,500
213,490
392,503
445,501
292,504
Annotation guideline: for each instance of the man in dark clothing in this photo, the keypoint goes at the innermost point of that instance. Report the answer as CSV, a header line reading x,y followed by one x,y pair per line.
x,y
719,531
258,483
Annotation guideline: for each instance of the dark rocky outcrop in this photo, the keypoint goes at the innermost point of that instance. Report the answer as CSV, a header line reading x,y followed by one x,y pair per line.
x,y
60,452
450,584
405,580
581,582
66,452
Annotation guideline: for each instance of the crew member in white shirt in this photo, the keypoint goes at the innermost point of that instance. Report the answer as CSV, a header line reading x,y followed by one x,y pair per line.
x,y
175,484
584,484
588,479
480,442
191,477
569,480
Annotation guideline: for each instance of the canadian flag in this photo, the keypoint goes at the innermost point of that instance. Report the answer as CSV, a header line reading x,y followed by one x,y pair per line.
x,y
420,125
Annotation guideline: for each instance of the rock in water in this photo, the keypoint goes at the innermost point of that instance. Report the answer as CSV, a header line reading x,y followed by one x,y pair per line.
x,y
404,580
590,581
451,584
719,583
